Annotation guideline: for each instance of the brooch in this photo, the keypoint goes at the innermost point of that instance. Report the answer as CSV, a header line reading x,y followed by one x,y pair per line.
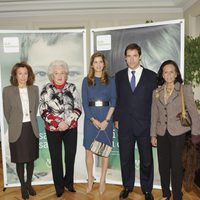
x,y
157,94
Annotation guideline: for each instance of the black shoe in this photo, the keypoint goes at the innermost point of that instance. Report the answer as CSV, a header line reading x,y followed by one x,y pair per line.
x,y
31,191
59,194
148,196
24,192
124,193
167,197
70,188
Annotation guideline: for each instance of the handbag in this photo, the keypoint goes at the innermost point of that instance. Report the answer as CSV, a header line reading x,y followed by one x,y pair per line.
x,y
100,148
184,115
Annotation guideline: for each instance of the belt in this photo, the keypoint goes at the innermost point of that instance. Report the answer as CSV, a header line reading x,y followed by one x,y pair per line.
x,y
99,103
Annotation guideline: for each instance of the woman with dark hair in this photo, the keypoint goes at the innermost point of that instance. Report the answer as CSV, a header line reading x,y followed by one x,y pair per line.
x,y
99,98
167,132
20,103
161,79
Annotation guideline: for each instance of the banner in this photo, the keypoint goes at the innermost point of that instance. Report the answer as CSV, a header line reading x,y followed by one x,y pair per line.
x,y
159,42
39,48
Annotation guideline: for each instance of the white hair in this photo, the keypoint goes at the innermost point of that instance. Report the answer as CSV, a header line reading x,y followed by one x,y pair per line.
x,y
54,64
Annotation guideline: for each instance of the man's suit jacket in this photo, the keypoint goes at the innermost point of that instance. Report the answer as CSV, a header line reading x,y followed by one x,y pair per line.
x,y
133,109
164,116
12,106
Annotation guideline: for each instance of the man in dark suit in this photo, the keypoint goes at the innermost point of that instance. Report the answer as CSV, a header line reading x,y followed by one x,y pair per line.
x,y
132,115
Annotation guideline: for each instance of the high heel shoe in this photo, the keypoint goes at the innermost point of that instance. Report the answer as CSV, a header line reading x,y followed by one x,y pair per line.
x,y
59,194
90,186
24,192
102,188
30,190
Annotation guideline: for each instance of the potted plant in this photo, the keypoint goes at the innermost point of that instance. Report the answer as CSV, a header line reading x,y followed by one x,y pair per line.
x,y
191,154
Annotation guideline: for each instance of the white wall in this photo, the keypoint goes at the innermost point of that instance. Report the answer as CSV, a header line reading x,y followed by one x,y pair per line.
x,y
192,20
98,19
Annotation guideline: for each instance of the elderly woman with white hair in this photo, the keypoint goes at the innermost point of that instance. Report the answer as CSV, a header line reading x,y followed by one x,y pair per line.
x,y
60,108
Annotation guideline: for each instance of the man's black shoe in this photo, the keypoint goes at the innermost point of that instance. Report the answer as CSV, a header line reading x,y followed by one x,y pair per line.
x,y
148,196
124,193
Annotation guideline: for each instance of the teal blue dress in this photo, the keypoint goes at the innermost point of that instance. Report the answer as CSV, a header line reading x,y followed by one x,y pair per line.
x,y
94,93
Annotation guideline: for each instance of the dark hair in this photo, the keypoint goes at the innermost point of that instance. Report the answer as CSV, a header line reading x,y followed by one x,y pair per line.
x,y
160,79
133,46
13,77
90,76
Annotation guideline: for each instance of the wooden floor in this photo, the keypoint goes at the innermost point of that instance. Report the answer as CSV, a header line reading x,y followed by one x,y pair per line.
x,y
47,192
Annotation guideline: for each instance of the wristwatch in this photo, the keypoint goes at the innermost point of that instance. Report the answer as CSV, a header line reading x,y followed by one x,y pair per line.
x,y
107,120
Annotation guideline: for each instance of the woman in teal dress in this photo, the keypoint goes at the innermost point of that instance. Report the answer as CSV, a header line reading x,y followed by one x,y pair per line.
x,y
99,99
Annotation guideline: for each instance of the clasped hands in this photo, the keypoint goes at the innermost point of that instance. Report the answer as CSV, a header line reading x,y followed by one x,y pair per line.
x,y
100,125
62,126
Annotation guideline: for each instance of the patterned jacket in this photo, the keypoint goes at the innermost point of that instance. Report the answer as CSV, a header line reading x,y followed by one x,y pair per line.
x,y
58,105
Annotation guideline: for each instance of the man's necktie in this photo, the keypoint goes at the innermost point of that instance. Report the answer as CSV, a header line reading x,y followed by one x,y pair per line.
x,y
133,81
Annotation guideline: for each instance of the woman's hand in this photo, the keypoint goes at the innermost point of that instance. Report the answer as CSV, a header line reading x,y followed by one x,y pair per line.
x,y
104,124
96,123
154,141
62,126
116,124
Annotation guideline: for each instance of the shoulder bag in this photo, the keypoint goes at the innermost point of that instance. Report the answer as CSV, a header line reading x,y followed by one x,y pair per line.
x,y
184,116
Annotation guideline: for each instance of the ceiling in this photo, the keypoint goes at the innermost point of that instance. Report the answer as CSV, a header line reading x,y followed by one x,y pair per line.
x,y
9,7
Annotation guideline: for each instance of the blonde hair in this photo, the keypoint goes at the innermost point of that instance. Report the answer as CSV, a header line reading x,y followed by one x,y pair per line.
x,y
90,76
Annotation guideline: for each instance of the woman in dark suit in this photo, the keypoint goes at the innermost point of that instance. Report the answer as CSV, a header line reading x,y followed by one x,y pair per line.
x,y
20,103
167,133
60,108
